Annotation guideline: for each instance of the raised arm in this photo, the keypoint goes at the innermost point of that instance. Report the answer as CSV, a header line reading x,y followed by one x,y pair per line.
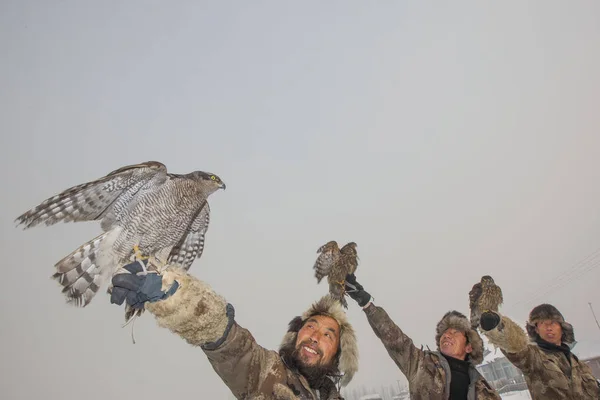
x,y
191,309
512,340
398,345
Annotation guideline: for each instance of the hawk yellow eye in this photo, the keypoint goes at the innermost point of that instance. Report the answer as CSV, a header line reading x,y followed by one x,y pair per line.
x,y
214,178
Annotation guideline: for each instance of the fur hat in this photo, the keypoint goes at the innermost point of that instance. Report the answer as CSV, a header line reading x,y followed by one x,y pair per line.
x,y
549,312
456,320
347,356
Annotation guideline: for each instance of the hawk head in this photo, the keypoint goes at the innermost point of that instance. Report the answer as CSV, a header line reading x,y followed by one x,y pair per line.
x,y
349,247
487,281
210,180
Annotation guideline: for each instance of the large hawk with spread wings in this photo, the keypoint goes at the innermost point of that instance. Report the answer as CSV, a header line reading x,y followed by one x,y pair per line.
x,y
336,263
144,212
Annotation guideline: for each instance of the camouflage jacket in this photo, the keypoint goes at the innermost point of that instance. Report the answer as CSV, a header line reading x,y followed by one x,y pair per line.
x,y
204,319
428,372
550,375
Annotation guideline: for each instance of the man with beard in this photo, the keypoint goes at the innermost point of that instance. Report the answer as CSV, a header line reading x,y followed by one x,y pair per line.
x,y
543,354
446,374
318,351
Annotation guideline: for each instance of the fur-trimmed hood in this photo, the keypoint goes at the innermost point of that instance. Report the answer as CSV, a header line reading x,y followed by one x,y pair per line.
x,y
458,321
549,312
347,357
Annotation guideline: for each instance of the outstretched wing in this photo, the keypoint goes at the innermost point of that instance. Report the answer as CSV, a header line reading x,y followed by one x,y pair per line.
x,y
474,294
93,200
191,246
349,259
330,254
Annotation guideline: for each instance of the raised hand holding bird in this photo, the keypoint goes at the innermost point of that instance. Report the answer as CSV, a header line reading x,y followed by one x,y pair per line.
x,y
484,296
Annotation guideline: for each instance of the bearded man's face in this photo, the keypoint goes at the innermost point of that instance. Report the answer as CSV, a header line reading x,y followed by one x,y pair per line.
x,y
317,342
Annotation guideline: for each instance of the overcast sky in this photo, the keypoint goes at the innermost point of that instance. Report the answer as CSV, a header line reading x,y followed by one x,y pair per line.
x,y
448,140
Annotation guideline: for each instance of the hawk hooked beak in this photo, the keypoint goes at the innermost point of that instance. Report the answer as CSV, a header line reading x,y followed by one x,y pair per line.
x,y
222,186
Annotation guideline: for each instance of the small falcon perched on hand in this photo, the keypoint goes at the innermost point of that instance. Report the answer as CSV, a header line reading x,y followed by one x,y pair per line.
x,y
336,263
484,296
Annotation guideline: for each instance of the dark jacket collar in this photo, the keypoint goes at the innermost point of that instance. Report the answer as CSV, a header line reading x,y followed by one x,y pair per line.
x,y
552,348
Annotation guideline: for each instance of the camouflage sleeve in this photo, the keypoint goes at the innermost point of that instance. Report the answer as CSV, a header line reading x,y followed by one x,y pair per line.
x,y
514,343
242,364
203,318
398,345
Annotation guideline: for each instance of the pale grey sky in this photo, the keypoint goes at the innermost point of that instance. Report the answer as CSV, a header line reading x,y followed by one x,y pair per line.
x,y
448,140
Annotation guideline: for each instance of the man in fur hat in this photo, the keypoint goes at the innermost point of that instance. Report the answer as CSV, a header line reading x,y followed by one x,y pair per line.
x,y
318,350
552,372
449,372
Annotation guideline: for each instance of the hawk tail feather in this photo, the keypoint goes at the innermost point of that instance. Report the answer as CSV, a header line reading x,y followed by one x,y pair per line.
x,y
475,316
82,273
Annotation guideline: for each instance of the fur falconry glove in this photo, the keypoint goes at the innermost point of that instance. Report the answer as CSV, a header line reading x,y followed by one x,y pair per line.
x,y
138,289
356,291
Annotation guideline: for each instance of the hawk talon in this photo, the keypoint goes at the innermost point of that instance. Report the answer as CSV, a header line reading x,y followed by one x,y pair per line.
x,y
138,254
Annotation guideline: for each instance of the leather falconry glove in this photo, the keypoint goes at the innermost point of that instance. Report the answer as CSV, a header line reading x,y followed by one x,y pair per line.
x,y
489,320
138,289
356,291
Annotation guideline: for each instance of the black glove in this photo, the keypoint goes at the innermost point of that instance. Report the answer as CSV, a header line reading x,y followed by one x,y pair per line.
x,y
138,289
489,320
356,291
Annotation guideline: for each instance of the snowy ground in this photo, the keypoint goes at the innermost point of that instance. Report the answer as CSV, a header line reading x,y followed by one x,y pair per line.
x,y
520,395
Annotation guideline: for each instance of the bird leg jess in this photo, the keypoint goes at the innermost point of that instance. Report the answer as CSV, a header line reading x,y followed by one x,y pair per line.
x,y
137,256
